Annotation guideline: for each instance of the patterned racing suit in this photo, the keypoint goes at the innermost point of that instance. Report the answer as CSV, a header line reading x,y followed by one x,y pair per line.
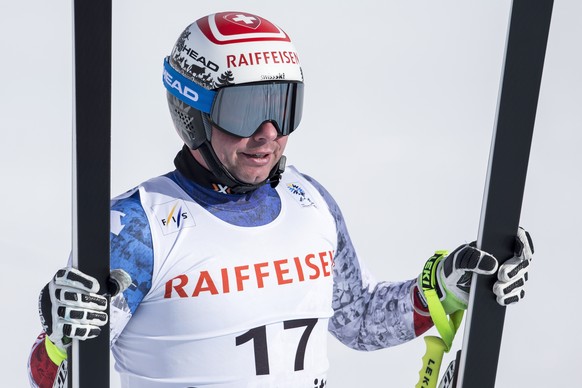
x,y
233,290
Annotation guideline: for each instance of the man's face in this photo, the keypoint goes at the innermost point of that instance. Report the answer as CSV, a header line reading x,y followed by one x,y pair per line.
x,y
249,159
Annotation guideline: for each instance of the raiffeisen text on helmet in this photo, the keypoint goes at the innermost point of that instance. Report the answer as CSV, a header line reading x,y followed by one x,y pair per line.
x,y
262,58
233,48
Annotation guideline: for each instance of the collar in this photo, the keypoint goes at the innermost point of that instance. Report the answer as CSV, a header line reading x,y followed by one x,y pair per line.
x,y
219,180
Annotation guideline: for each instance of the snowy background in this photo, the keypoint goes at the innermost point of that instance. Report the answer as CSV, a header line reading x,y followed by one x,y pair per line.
x,y
400,105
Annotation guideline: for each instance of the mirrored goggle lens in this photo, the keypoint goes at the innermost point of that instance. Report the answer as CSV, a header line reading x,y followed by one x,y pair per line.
x,y
240,110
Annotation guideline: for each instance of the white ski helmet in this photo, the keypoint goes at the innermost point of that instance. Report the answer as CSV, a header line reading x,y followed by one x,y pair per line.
x,y
233,70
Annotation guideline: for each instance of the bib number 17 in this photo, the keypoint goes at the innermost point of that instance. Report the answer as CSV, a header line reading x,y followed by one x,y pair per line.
x,y
259,337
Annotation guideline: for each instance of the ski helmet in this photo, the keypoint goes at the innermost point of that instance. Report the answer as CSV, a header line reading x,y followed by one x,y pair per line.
x,y
226,50
234,71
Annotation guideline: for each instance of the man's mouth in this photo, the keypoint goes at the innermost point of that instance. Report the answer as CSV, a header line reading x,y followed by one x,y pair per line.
x,y
257,156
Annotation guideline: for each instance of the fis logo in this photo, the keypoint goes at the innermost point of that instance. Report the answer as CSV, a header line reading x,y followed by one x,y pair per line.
x,y
300,194
173,216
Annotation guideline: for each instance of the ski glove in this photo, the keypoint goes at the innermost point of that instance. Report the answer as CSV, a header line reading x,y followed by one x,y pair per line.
x,y
451,274
70,307
512,275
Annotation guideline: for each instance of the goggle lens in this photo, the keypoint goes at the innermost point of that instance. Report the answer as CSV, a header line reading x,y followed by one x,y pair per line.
x,y
241,109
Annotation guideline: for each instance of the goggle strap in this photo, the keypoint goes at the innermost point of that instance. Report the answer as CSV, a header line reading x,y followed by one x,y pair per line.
x,y
186,90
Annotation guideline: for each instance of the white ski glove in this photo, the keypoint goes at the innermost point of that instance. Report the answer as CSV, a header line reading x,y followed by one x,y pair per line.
x,y
70,307
451,274
512,275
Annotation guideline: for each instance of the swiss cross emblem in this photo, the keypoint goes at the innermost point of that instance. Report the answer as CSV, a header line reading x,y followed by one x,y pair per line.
x,y
234,26
244,20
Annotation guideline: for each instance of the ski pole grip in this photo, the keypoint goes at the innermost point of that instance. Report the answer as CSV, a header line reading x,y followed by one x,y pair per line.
x,y
431,362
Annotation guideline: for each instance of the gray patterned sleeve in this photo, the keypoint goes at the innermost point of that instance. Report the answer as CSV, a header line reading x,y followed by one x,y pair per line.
x,y
368,315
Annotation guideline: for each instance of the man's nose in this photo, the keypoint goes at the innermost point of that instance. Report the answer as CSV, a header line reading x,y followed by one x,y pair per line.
x,y
266,131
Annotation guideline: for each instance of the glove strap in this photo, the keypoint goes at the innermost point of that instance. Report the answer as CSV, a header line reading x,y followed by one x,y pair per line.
x,y
446,328
56,355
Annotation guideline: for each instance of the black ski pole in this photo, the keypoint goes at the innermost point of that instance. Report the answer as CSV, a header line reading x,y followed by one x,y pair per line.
x,y
88,361
524,59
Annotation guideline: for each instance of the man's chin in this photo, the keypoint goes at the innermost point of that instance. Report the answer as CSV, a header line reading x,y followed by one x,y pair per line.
x,y
253,179
252,175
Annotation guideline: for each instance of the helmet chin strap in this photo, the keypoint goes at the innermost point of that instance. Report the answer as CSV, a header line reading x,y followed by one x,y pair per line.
x,y
277,171
225,177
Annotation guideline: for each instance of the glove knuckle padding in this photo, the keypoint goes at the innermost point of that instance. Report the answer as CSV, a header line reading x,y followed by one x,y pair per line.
x,y
68,296
512,269
487,264
519,268
509,288
510,292
74,278
472,259
81,332
459,259
84,316
511,298
96,301
469,258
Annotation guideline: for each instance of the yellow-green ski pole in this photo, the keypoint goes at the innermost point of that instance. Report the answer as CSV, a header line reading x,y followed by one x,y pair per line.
x,y
447,328
431,362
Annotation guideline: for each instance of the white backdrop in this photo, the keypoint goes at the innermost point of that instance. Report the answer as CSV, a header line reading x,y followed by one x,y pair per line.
x,y
400,105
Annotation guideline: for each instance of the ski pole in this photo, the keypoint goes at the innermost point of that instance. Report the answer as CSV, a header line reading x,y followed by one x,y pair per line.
x,y
447,328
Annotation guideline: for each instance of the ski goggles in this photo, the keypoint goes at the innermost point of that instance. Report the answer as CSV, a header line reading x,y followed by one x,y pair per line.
x,y
241,109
